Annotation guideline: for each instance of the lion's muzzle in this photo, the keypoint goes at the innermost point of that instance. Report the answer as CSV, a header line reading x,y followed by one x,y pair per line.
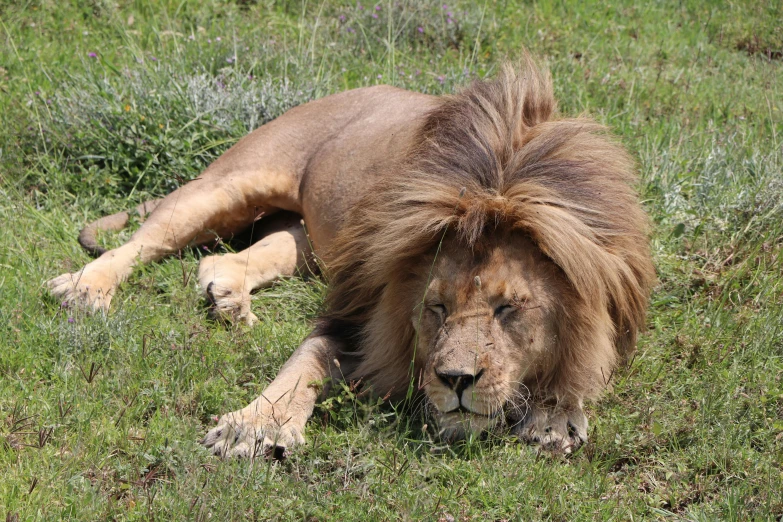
x,y
464,400
461,393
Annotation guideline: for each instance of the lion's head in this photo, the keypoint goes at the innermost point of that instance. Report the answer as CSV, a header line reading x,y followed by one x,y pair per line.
x,y
505,262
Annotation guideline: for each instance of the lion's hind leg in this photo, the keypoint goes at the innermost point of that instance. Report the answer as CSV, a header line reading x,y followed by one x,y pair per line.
x,y
228,280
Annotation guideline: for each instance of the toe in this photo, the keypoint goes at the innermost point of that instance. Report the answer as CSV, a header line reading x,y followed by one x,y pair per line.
x,y
61,286
241,450
214,435
297,436
250,319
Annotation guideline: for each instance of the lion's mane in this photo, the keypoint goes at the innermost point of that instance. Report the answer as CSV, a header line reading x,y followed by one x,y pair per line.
x,y
489,158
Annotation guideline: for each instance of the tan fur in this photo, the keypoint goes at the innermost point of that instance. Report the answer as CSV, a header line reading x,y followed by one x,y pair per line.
x,y
475,247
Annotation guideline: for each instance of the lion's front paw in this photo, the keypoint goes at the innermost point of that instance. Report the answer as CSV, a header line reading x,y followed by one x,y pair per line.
x,y
553,429
89,289
255,431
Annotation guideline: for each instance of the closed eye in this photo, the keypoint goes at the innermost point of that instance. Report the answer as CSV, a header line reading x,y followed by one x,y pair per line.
x,y
438,309
504,310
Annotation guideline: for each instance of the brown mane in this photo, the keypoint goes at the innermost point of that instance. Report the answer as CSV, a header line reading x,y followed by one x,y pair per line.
x,y
491,158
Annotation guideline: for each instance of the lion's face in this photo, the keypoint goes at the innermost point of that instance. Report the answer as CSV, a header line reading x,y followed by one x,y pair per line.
x,y
487,329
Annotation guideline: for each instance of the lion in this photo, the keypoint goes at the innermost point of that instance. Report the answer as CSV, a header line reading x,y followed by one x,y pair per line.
x,y
479,251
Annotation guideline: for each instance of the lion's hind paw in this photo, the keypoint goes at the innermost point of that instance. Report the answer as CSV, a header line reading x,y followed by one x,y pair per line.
x,y
80,290
230,305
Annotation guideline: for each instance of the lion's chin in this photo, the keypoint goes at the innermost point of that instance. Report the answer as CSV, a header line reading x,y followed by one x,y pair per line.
x,y
459,425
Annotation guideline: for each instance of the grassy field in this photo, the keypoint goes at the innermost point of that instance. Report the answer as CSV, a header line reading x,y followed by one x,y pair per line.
x,y
104,104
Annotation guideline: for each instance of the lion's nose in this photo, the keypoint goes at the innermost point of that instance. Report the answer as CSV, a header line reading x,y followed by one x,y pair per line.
x,y
458,380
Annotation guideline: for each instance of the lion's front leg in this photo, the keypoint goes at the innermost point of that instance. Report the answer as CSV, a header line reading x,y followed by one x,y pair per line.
x,y
554,426
274,422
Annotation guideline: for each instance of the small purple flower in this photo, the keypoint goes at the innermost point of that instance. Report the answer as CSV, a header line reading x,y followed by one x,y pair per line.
x,y
37,93
342,18
377,8
191,37
350,29
64,304
217,39
71,320
374,15
445,6
92,55
230,60
209,40
441,79
380,77
421,30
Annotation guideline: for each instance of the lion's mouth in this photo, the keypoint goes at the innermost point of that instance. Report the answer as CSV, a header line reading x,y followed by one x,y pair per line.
x,y
459,422
466,411
462,401
463,409
466,403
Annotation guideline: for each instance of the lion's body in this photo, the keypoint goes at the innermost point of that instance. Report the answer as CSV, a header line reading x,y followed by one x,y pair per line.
x,y
469,241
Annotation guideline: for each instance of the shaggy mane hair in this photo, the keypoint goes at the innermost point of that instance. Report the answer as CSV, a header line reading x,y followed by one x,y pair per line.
x,y
488,159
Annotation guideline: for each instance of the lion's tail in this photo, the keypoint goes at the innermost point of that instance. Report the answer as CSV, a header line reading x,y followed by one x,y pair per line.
x,y
88,236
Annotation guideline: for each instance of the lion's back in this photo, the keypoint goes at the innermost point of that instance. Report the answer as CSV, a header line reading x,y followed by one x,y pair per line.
x,y
384,120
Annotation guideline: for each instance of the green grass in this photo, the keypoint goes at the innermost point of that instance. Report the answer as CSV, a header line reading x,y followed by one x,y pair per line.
x,y
100,416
